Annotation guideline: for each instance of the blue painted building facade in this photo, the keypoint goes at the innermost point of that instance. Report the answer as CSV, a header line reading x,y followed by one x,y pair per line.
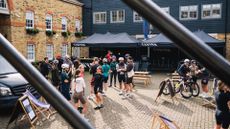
x,y
209,25
211,16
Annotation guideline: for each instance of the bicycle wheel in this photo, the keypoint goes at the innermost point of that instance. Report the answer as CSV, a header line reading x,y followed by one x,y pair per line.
x,y
165,90
186,91
195,89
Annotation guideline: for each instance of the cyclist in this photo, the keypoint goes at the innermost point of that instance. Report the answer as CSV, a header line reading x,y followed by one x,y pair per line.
x,y
194,70
184,70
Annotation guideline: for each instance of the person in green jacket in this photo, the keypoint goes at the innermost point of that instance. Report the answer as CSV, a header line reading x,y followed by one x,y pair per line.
x,y
105,73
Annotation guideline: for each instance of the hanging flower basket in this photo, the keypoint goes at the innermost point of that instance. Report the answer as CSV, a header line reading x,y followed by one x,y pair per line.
x,y
66,34
79,34
32,31
50,33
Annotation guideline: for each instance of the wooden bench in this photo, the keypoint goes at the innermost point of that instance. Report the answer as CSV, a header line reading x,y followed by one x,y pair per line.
x,y
145,76
175,77
141,72
142,76
141,79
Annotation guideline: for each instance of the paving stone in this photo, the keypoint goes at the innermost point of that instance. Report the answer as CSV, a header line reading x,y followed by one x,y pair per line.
x,y
137,113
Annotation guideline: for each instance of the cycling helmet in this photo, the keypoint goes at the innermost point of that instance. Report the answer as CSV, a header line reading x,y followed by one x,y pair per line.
x,y
114,57
193,61
121,58
104,60
186,61
64,66
55,61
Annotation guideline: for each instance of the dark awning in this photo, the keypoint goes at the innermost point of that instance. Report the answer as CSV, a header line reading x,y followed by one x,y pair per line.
x,y
211,41
162,41
159,40
108,40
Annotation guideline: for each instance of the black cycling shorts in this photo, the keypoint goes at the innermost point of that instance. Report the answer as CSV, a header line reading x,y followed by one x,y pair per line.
x,y
121,78
223,119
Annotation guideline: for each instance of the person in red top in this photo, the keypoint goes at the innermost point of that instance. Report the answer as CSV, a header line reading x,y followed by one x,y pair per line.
x,y
108,56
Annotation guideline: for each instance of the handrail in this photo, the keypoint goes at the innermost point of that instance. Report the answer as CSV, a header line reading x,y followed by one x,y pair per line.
x,y
42,85
183,38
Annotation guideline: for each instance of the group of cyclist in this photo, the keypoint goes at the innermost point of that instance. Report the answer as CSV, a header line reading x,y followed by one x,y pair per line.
x,y
190,69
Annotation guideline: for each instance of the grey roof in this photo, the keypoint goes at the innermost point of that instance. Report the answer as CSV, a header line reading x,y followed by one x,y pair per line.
x,y
162,41
108,40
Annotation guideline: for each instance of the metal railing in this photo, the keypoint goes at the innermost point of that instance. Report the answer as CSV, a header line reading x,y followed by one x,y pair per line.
x,y
183,38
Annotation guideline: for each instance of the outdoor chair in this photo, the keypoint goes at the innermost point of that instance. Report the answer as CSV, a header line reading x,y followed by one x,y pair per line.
x,y
41,106
161,122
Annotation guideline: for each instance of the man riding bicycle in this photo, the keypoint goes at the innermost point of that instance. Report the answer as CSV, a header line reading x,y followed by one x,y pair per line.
x,y
184,70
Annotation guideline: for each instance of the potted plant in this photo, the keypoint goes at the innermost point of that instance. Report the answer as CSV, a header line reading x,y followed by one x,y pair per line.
x,y
32,31
66,33
50,33
78,34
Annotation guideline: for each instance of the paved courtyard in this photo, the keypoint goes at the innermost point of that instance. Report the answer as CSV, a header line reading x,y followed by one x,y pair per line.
x,y
137,113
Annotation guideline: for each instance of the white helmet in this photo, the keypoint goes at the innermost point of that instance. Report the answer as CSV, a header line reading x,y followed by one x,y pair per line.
x,y
104,60
64,66
120,58
186,61
55,61
67,56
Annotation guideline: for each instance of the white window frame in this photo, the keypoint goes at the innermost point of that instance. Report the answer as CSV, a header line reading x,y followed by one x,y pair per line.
x,y
117,18
30,16
4,3
64,50
77,25
50,51
31,51
166,9
189,9
4,7
135,15
100,17
49,18
211,11
64,22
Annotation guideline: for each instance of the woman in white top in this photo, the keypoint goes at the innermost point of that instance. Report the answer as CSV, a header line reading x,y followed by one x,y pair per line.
x,y
78,91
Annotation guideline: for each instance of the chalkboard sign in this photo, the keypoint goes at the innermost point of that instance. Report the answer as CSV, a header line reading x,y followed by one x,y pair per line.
x,y
28,108
23,104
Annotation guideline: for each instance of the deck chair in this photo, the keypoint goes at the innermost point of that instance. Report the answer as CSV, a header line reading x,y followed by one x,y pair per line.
x,y
160,122
41,107
208,101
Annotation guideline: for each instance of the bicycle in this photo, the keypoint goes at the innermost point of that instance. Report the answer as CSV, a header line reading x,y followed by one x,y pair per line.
x,y
182,86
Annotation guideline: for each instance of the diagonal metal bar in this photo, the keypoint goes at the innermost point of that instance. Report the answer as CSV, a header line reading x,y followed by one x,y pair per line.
x,y
69,113
183,38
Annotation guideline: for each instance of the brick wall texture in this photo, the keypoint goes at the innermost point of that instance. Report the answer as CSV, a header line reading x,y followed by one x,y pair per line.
x,y
222,37
14,26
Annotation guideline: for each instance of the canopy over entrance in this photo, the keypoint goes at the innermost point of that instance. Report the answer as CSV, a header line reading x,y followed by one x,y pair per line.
x,y
108,40
162,41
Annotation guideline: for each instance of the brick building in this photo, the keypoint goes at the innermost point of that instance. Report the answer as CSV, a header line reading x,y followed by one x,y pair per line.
x,y
39,28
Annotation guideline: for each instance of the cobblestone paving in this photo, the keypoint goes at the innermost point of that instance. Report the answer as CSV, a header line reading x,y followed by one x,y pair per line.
x,y
137,113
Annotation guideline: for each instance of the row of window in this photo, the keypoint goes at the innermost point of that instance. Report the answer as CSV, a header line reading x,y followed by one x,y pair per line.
x,y
209,11
49,22
49,51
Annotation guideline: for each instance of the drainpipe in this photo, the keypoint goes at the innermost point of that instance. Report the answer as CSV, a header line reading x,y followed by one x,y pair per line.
x,y
91,8
226,27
